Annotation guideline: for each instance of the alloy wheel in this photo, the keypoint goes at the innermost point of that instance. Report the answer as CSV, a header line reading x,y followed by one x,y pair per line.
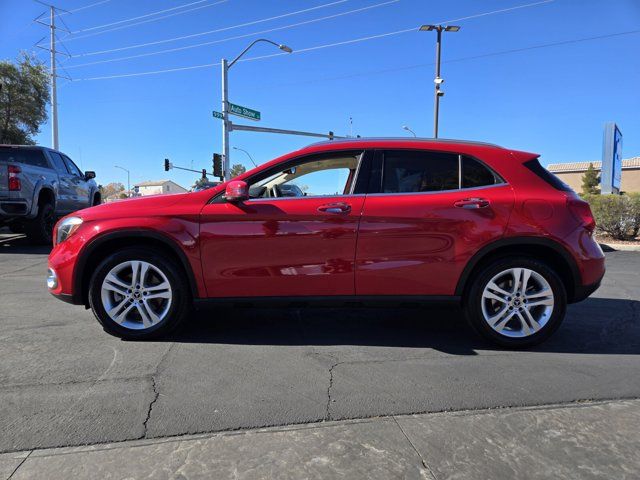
x,y
136,294
517,302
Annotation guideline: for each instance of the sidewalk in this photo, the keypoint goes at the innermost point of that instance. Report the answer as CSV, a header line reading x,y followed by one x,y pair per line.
x,y
579,440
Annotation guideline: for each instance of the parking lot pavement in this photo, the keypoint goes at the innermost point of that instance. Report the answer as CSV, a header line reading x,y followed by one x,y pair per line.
x,y
64,382
596,440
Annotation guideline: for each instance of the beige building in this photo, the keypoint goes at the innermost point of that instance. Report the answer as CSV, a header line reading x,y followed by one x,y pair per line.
x,y
571,173
158,188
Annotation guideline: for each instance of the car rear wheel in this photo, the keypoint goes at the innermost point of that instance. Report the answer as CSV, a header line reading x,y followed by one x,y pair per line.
x,y
516,302
138,294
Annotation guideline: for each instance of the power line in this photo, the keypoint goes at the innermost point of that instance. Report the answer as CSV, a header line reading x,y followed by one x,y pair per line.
x,y
184,37
462,59
143,21
473,57
83,8
346,42
306,22
138,17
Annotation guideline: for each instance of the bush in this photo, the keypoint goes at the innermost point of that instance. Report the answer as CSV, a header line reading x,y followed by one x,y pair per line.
x,y
617,216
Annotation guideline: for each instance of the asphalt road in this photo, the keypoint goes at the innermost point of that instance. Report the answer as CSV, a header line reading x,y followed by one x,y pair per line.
x,y
63,381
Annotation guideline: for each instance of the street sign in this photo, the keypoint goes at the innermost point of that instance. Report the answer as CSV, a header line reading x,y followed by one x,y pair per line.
x,y
244,112
218,115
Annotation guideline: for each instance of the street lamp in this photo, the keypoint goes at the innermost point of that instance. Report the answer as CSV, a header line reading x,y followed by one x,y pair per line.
x,y
404,127
128,181
250,157
438,80
226,125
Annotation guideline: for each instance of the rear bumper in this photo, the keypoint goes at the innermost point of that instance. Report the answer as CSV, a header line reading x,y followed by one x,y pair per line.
x,y
583,291
13,209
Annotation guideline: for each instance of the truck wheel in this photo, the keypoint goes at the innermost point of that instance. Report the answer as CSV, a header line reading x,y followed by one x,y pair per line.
x,y
40,229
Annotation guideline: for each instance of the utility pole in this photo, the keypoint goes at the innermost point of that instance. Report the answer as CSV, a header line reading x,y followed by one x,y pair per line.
x,y
54,90
438,80
53,69
226,161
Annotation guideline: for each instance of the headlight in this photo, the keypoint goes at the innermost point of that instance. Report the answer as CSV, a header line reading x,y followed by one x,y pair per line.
x,y
66,228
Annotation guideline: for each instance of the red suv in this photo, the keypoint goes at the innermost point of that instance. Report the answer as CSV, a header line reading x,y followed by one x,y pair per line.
x,y
359,220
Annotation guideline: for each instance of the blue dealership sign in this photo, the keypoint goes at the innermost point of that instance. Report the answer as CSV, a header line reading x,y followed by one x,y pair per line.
x,y
611,173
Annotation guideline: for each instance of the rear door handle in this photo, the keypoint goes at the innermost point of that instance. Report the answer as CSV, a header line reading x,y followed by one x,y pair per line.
x,y
335,208
471,203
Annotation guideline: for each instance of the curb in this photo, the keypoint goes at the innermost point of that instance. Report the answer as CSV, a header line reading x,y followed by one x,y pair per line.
x,y
619,247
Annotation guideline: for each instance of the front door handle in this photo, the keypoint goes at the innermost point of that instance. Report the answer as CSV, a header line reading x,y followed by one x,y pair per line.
x,y
471,203
335,208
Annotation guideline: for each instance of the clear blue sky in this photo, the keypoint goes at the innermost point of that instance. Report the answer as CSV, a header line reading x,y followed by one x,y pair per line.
x,y
552,100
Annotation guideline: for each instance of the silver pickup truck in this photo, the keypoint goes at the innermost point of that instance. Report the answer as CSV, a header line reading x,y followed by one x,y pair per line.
x,y
37,186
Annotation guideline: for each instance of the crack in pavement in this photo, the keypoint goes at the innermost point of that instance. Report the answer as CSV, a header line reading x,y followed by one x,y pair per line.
x,y
327,415
156,392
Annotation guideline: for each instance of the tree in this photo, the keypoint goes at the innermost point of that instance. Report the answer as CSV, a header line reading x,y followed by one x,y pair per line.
x,y
24,95
200,182
237,169
590,181
111,190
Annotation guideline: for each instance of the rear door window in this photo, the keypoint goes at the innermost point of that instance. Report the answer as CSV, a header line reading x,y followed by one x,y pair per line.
x,y
24,156
58,162
475,174
406,171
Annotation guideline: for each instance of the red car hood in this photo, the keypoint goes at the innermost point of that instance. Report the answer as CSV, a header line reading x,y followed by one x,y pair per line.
x,y
132,207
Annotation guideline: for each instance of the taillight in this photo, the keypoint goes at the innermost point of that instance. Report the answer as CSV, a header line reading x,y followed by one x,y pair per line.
x,y
582,211
14,181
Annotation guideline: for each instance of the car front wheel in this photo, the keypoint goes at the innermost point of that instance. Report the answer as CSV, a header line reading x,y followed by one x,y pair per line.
x,y
516,302
138,294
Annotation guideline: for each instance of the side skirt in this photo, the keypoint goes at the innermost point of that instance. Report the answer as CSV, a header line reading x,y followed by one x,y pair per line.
x,y
330,301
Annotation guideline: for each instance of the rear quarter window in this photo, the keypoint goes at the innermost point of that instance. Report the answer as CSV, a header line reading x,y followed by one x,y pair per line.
x,y
546,175
24,156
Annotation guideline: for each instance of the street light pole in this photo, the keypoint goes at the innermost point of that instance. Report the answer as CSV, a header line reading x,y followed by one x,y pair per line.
x,y
227,126
128,180
248,155
404,127
437,93
438,80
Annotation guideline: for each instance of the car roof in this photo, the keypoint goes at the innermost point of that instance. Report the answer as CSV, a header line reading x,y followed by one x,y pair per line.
x,y
379,141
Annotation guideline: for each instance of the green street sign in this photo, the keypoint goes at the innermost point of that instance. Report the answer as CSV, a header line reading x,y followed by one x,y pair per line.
x,y
218,115
245,112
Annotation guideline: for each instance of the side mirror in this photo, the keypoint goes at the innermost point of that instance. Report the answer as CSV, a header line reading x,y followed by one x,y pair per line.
x,y
236,191
88,175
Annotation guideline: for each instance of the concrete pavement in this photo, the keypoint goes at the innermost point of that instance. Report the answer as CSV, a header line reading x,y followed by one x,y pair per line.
x,y
593,440
64,382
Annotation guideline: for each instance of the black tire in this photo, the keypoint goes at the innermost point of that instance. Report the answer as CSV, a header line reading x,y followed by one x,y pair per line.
x,y
472,302
180,301
40,229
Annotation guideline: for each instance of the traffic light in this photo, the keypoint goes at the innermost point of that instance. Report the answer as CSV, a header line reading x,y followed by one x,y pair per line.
x,y
217,165
204,173
167,165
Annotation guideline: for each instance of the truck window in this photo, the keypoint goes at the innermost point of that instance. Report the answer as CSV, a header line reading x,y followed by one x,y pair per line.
x,y
25,156
72,166
58,162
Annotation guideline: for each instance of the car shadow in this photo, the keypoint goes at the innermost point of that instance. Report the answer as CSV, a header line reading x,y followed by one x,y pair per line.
x,y
18,243
596,325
